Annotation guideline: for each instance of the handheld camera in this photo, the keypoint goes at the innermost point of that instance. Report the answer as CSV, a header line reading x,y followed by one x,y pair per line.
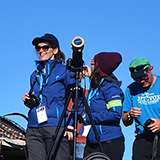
x,y
32,102
147,123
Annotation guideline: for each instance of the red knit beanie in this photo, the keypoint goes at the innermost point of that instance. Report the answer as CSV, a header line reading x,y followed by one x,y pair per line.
x,y
107,62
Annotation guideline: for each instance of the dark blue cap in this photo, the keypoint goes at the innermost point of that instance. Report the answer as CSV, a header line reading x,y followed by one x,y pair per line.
x,y
46,38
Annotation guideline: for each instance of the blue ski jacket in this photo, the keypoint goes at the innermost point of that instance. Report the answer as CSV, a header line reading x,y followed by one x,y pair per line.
x,y
106,110
53,93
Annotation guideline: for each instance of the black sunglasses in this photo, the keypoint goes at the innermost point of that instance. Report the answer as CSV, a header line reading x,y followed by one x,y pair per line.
x,y
45,47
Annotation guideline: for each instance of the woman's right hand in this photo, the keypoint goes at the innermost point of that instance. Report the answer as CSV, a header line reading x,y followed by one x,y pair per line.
x,y
26,96
135,112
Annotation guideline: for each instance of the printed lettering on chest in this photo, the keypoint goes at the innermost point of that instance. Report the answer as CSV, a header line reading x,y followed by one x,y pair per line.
x,y
148,98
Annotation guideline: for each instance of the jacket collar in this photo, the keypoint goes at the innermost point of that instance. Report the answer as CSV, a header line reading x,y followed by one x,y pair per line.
x,y
49,63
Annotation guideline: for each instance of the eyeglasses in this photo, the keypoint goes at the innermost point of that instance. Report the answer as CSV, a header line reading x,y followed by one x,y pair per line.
x,y
93,62
143,78
45,47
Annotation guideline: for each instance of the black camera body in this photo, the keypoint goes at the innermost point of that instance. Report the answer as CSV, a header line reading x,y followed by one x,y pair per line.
x,y
147,123
32,102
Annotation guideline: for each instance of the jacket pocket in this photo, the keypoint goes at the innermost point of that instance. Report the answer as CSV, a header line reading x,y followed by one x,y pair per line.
x,y
53,112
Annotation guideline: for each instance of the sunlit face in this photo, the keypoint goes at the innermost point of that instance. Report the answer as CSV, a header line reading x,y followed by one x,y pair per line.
x,y
45,51
146,82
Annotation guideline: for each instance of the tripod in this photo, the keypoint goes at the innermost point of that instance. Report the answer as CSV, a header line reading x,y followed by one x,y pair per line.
x,y
78,91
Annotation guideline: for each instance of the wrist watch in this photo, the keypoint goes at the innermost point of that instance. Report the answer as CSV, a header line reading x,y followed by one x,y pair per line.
x,y
129,116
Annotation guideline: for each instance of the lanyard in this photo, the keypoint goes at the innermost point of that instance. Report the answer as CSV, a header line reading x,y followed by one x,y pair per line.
x,y
92,93
43,83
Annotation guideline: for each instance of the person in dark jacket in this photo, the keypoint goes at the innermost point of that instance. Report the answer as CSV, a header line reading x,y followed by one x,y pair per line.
x,y
105,100
46,100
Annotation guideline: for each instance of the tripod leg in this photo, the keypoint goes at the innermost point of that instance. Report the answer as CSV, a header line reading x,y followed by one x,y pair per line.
x,y
75,126
92,122
52,147
76,100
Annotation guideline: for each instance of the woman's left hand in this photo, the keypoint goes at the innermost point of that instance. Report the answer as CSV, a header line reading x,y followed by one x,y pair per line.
x,y
87,71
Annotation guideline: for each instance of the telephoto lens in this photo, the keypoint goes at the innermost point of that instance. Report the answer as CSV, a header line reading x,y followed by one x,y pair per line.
x,y
76,63
77,44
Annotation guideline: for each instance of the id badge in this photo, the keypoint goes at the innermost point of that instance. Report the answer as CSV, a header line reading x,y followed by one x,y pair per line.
x,y
41,114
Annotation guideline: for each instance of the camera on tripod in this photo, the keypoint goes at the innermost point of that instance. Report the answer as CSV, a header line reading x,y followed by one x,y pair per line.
x,y
76,63
32,102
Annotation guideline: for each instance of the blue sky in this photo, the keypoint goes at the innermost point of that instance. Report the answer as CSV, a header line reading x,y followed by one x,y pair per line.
x,y
129,27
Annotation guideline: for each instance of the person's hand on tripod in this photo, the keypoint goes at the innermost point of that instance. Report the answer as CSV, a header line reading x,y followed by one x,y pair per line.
x,y
69,133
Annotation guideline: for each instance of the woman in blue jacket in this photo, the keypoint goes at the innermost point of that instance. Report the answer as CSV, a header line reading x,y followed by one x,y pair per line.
x,y
46,99
105,100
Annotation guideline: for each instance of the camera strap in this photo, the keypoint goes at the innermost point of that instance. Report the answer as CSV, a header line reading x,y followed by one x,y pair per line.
x,y
35,80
